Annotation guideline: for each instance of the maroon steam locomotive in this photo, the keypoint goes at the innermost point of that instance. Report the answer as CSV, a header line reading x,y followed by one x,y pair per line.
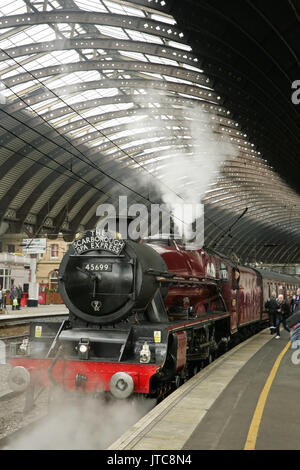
x,y
143,317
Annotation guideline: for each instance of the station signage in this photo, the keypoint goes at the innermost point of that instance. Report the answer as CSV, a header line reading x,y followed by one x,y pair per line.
x,y
95,240
32,246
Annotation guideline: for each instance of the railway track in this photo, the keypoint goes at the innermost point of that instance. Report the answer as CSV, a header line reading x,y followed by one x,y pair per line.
x,y
7,442
18,328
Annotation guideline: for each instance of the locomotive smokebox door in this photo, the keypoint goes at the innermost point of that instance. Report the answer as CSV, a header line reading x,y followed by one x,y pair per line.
x,y
103,278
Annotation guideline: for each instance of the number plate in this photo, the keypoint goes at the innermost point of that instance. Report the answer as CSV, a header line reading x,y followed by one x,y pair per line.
x,y
98,266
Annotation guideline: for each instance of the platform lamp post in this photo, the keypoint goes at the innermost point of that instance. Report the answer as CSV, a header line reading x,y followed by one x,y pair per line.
x,y
33,246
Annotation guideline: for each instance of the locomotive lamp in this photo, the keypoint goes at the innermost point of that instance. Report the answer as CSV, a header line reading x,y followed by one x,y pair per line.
x,y
83,348
145,354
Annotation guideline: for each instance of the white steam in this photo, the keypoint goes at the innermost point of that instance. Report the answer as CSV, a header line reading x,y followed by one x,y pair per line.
x,y
191,147
82,423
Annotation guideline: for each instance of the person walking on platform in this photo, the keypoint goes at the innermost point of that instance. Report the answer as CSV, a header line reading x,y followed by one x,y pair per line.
x,y
284,311
274,317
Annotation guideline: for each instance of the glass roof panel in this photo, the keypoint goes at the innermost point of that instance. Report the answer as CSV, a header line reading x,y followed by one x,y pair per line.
x,y
157,85
120,9
163,18
144,37
91,5
134,55
161,60
112,31
13,7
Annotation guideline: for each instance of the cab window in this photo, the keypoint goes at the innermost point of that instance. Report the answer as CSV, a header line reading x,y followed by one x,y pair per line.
x,y
223,272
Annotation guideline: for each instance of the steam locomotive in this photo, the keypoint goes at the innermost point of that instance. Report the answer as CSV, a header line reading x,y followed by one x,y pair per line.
x,y
143,316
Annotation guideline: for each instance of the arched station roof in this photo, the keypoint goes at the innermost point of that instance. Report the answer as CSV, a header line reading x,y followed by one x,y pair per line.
x,y
148,97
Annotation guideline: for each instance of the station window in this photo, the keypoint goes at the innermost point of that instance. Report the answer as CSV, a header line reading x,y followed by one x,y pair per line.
x,y
5,278
11,248
54,250
53,280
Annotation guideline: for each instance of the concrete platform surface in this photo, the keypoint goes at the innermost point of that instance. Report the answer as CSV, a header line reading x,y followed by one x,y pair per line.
x,y
199,415
41,310
227,423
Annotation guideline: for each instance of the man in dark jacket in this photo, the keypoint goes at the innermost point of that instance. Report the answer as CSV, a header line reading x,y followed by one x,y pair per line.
x,y
273,309
284,310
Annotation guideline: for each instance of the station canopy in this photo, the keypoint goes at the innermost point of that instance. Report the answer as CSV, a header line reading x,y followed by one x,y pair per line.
x,y
108,98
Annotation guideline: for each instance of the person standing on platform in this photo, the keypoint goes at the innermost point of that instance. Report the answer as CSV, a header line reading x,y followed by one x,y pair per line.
x,y
273,309
284,311
1,295
296,301
20,293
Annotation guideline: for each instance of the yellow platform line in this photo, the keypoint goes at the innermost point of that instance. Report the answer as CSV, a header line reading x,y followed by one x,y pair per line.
x,y
256,420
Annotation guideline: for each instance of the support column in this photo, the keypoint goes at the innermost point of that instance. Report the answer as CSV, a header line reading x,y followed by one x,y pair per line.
x,y
33,291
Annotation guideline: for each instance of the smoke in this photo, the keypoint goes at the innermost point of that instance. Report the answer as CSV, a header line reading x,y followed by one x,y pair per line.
x,y
188,146
82,423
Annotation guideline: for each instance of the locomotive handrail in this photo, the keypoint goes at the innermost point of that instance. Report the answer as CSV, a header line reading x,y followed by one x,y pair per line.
x,y
186,281
111,255
159,273
129,294
54,342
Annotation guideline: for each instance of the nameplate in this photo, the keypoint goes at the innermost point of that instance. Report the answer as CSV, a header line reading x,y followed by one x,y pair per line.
x,y
94,240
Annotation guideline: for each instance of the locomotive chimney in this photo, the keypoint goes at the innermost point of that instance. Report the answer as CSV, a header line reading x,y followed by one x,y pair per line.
x,y
118,225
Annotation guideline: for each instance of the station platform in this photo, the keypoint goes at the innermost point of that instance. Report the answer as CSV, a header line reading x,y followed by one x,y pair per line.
x,y
29,312
246,399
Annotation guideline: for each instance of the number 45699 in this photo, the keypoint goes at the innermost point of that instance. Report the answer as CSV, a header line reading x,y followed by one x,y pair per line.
x,y
98,267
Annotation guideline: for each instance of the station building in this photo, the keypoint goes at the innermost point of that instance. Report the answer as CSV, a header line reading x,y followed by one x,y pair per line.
x,y
16,267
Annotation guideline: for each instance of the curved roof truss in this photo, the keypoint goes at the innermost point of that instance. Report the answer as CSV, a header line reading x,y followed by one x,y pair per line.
x,y
104,98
